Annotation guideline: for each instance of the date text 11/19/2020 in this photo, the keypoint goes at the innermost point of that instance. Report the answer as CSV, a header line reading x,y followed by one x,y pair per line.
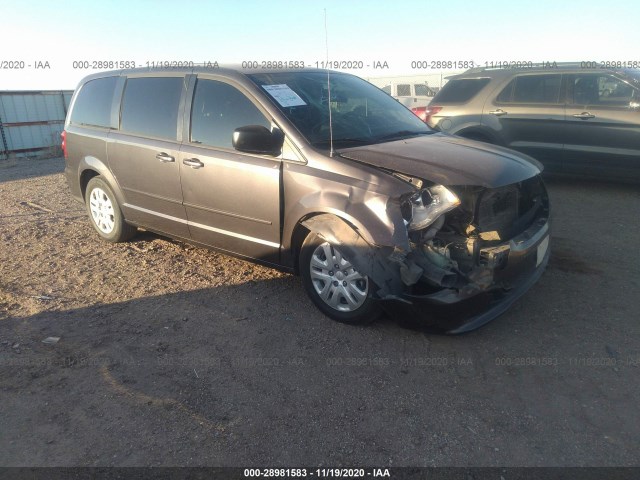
x,y
317,472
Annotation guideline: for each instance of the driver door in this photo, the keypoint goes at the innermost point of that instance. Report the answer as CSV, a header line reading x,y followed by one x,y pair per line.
x,y
232,199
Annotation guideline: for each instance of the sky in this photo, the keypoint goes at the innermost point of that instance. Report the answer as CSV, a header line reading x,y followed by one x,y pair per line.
x,y
54,35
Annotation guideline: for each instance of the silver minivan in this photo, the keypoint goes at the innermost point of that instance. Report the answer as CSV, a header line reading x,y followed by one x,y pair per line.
x,y
316,173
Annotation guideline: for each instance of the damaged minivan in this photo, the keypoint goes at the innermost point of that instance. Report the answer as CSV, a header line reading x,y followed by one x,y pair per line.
x,y
316,173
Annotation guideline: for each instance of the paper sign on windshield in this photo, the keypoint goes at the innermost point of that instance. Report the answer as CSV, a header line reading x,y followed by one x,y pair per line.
x,y
284,95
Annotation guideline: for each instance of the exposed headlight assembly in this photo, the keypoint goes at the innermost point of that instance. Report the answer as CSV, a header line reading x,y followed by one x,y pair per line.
x,y
425,206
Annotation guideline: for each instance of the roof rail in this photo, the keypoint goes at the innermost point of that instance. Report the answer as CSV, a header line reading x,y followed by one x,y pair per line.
x,y
532,65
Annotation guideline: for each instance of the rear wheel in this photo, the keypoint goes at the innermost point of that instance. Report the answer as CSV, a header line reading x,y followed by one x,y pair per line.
x,y
104,212
337,288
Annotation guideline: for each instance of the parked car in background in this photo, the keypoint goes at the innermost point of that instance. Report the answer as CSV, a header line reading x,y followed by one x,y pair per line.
x,y
414,96
341,185
575,120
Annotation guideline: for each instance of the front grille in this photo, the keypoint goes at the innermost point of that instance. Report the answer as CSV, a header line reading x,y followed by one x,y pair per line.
x,y
498,208
509,210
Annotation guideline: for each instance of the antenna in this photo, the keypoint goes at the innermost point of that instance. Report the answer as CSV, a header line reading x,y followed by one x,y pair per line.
x,y
326,44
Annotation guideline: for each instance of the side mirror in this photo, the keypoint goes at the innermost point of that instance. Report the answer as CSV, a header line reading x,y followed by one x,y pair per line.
x,y
258,139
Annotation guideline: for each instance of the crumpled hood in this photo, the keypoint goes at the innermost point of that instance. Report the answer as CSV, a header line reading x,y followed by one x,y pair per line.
x,y
448,160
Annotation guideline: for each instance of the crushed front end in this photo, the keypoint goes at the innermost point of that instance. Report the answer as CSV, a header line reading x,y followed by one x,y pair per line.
x,y
476,256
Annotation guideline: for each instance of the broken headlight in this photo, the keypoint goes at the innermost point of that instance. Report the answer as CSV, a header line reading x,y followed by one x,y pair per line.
x,y
425,206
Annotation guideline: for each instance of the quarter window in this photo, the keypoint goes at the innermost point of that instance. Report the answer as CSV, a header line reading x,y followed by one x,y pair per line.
x,y
218,109
505,94
150,106
93,105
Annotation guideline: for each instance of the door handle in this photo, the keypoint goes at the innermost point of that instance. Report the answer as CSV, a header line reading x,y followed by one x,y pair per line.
x,y
584,115
164,158
193,162
498,113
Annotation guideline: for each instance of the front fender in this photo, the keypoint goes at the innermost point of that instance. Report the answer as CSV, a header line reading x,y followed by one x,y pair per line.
x,y
374,215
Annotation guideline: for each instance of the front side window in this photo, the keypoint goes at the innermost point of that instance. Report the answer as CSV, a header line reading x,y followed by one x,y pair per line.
x,y
537,89
605,90
217,110
93,105
150,106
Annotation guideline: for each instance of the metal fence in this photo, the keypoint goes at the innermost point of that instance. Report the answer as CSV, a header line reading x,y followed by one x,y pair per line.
x,y
31,122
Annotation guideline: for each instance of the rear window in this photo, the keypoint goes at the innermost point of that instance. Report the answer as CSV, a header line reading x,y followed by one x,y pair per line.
x,y
93,104
150,106
460,91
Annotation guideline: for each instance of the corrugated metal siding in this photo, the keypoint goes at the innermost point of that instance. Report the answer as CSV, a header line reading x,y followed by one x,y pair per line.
x,y
33,136
32,122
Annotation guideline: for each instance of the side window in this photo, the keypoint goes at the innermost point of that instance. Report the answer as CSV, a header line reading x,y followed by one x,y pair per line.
x,y
217,110
150,106
505,94
460,91
404,90
603,90
537,89
421,89
93,105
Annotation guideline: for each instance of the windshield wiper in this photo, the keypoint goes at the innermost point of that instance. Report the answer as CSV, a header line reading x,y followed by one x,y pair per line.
x,y
402,134
359,141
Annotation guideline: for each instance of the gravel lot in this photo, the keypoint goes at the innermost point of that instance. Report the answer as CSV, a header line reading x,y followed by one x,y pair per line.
x,y
175,355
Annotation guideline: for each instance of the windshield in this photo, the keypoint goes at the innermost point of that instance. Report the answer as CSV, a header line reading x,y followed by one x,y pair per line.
x,y
361,114
634,74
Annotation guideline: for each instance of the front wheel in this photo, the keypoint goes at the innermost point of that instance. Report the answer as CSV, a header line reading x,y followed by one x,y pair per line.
x,y
335,285
104,212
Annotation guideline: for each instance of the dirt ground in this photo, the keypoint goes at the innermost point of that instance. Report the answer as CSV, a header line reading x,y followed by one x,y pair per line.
x,y
174,355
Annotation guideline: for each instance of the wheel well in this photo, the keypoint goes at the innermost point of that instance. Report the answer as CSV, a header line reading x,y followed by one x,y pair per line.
x,y
84,179
300,232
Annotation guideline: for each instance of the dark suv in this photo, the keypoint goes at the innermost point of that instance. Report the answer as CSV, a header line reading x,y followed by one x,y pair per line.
x,y
575,120
316,173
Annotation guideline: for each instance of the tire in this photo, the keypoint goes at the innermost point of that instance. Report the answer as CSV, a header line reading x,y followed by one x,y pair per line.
x,y
104,212
351,300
